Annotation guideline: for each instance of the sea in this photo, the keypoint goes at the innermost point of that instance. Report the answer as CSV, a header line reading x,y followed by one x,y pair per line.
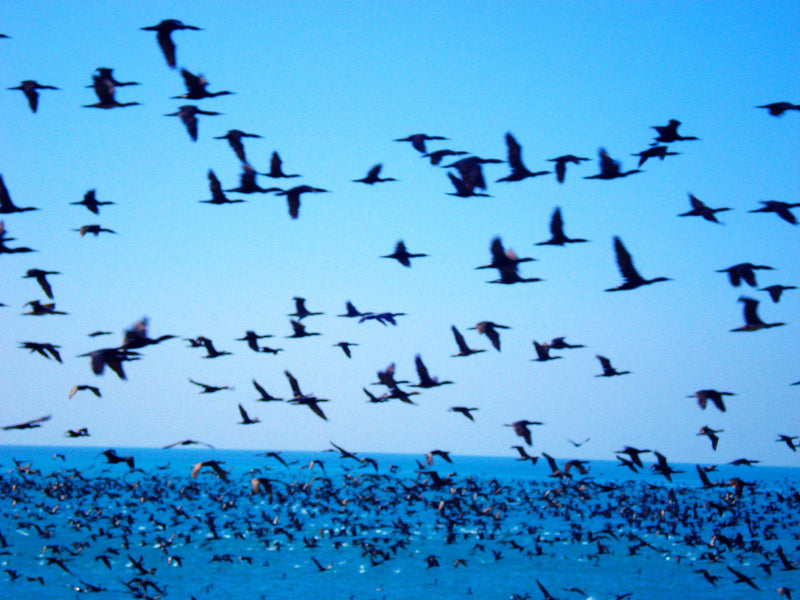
x,y
346,525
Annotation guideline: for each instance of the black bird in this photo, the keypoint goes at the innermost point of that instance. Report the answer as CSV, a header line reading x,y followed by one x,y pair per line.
x,y
744,271
7,206
610,168
136,336
300,310
657,151
41,278
345,346
248,184
464,410
558,238
402,255
630,276
633,453
276,168
464,189
418,140
299,330
561,164
113,458
713,396
188,114
32,424
187,443
210,389
503,259
251,337
425,380
752,322
662,467
542,352
608,370
247,419
711,434
776,109
308,399
38,309
234,137
91,202
46,349
437,156
518,169
522,429
789,440
699,209
352,311
88,388
104,90
111,358
196,87
31,89
383,318
94,229
669,133
560,343
107,74
489,329
463,348
293,197
374,176
471,171
217,194
264,396
776,290
742,578
782,209
164,36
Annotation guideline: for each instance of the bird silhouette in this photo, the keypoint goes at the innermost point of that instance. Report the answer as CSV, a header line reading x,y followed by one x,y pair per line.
x,y
248,184
104,89
542,352
31,89
299,330
306,399
94,229
777,109
425,380
113,458
264,396
436,157
518,169
711,434
471,171
699,209
196,87
188,115
560,343
557,237
489,329
300,310
32,424
464,410
418,140
7,206
752,322
345,346
111,358
235,137
276,168
352,312
164,36
561,164
89,388
610,168
38,309
658,151
215,465
402,255
136,336
217,194
293,197
713,396
210,389
463,348
46,349
251,337
669,133
464,189
211,351
776,290
246,418
782,209
91,202
608,370
522,429
40,276
630,276
744,272
374,176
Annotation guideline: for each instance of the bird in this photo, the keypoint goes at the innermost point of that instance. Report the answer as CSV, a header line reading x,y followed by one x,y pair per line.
x,y
662,467
522,429
610,168
246,418
46,349
137,337
418,140
752,322
630,276
711,434
215,465
560,343
82,387
196,87
463,348
38,309
557,237
782,209
523,454
164,37
91,202
210,389
742,578
235,137
669,133
542,352
775,291
634,454
345,346
188,115
608,370
374,176
32,424
402,255
31,89
383,318
352,312
699,209
276,168
471,171
489,329
307,399
301,312
76,433
299,330
251,337
744,272
113,458
248,184
41,278
264,396
657,151
217,194
187,443
518,169
436,157
713,396
111,358
464,189
561,164
777,109
789,440
464,410
425,380
293,197
107,74
7,206
104,89
94,229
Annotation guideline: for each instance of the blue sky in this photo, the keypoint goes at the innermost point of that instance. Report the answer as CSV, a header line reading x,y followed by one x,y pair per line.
x,y
330,86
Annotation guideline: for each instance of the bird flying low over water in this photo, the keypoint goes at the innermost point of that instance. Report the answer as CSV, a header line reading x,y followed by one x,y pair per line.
x,y
630,276
699,209
402,255
711,434
522,429
188,115
518,169
164,36
32,424
752,322
31,89
610,168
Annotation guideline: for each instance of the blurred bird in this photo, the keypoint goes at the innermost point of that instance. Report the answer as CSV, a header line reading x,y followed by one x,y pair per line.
x,y
608,370
471,171
464,410
95,230
345,346
210,389
669,133
352,311
522,429
374,176
246,418
111,358
80,388
752,322
425,380
657,151
463,348
464,189
91,202
777,109
299,330
699,209
31,89
188,115
276,168
235,137
38,309
293,197
104,89
402,255
46,349
300,310
217,194
251,337
610,168
542,352
248,184
41,278
264,396
164,36
713,396
744,271
32,424
196,87
489,329
630,276
782,209
418,140
561,164
7,206
518,169
557,237
711,434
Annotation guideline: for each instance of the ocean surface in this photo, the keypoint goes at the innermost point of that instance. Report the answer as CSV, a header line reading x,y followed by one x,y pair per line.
x,y
328,525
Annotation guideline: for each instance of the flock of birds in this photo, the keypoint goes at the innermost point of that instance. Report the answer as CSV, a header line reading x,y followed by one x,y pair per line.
x,y
467,175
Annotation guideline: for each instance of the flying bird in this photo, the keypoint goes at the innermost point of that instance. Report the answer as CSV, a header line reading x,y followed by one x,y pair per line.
x,y
522,429
402,255
418,140
699,209
196,87
31,89
164,36
608,370
713,396
775,291
104,89
188,115
235,137
463,348
246,418
558,237
752,322
374,176
91,202
630,276
46,349
41,278
711,434
489,329
276,168
657,151
32,424
518,169
301,312
7,206
744,272
425,380
610,168
669,133
782,209
561,164
464,410
293,197
217,194
777,109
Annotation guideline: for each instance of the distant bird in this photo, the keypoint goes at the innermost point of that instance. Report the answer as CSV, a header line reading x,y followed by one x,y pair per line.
x,y
307,399
188,115
789,440
276,168
76,433
463,348
561,164
32,424
352,312
345,346
137,337
374,176
669,133
210,389
608,370
293,197
782,209
578,444
502,259
111,358
7,206
464,410
235,137
557,237
216,466
662,467
610,168
699,209
217,194
464,189
41,278
196,87
383,318
104,89
630,276
106,74
471,171
251,337
187,443
436,157
522,429
164,36
743,462
246,418
299,330
46,349
38,309
744,272
80,388
523,455
94,229
657,151
425,380
542,352
775,291
402,255
418,140
711,434
113,458
742,578
264,396
248,184
634,454
752,322
211,351
31,89
777,109
560,343
713,396
300,310
91,202
518,169
489,329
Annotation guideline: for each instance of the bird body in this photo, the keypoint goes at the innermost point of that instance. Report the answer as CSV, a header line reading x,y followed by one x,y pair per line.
x,y
374,176
31,89
752,322
188,115
164,36
518,169
630,276
699,209
610,168
402,255
558,237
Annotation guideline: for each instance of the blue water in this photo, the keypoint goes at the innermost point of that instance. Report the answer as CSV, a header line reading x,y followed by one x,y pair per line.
x,y
495,528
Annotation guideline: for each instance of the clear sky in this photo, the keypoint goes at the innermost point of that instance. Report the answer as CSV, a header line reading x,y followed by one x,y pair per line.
x,y
330,85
